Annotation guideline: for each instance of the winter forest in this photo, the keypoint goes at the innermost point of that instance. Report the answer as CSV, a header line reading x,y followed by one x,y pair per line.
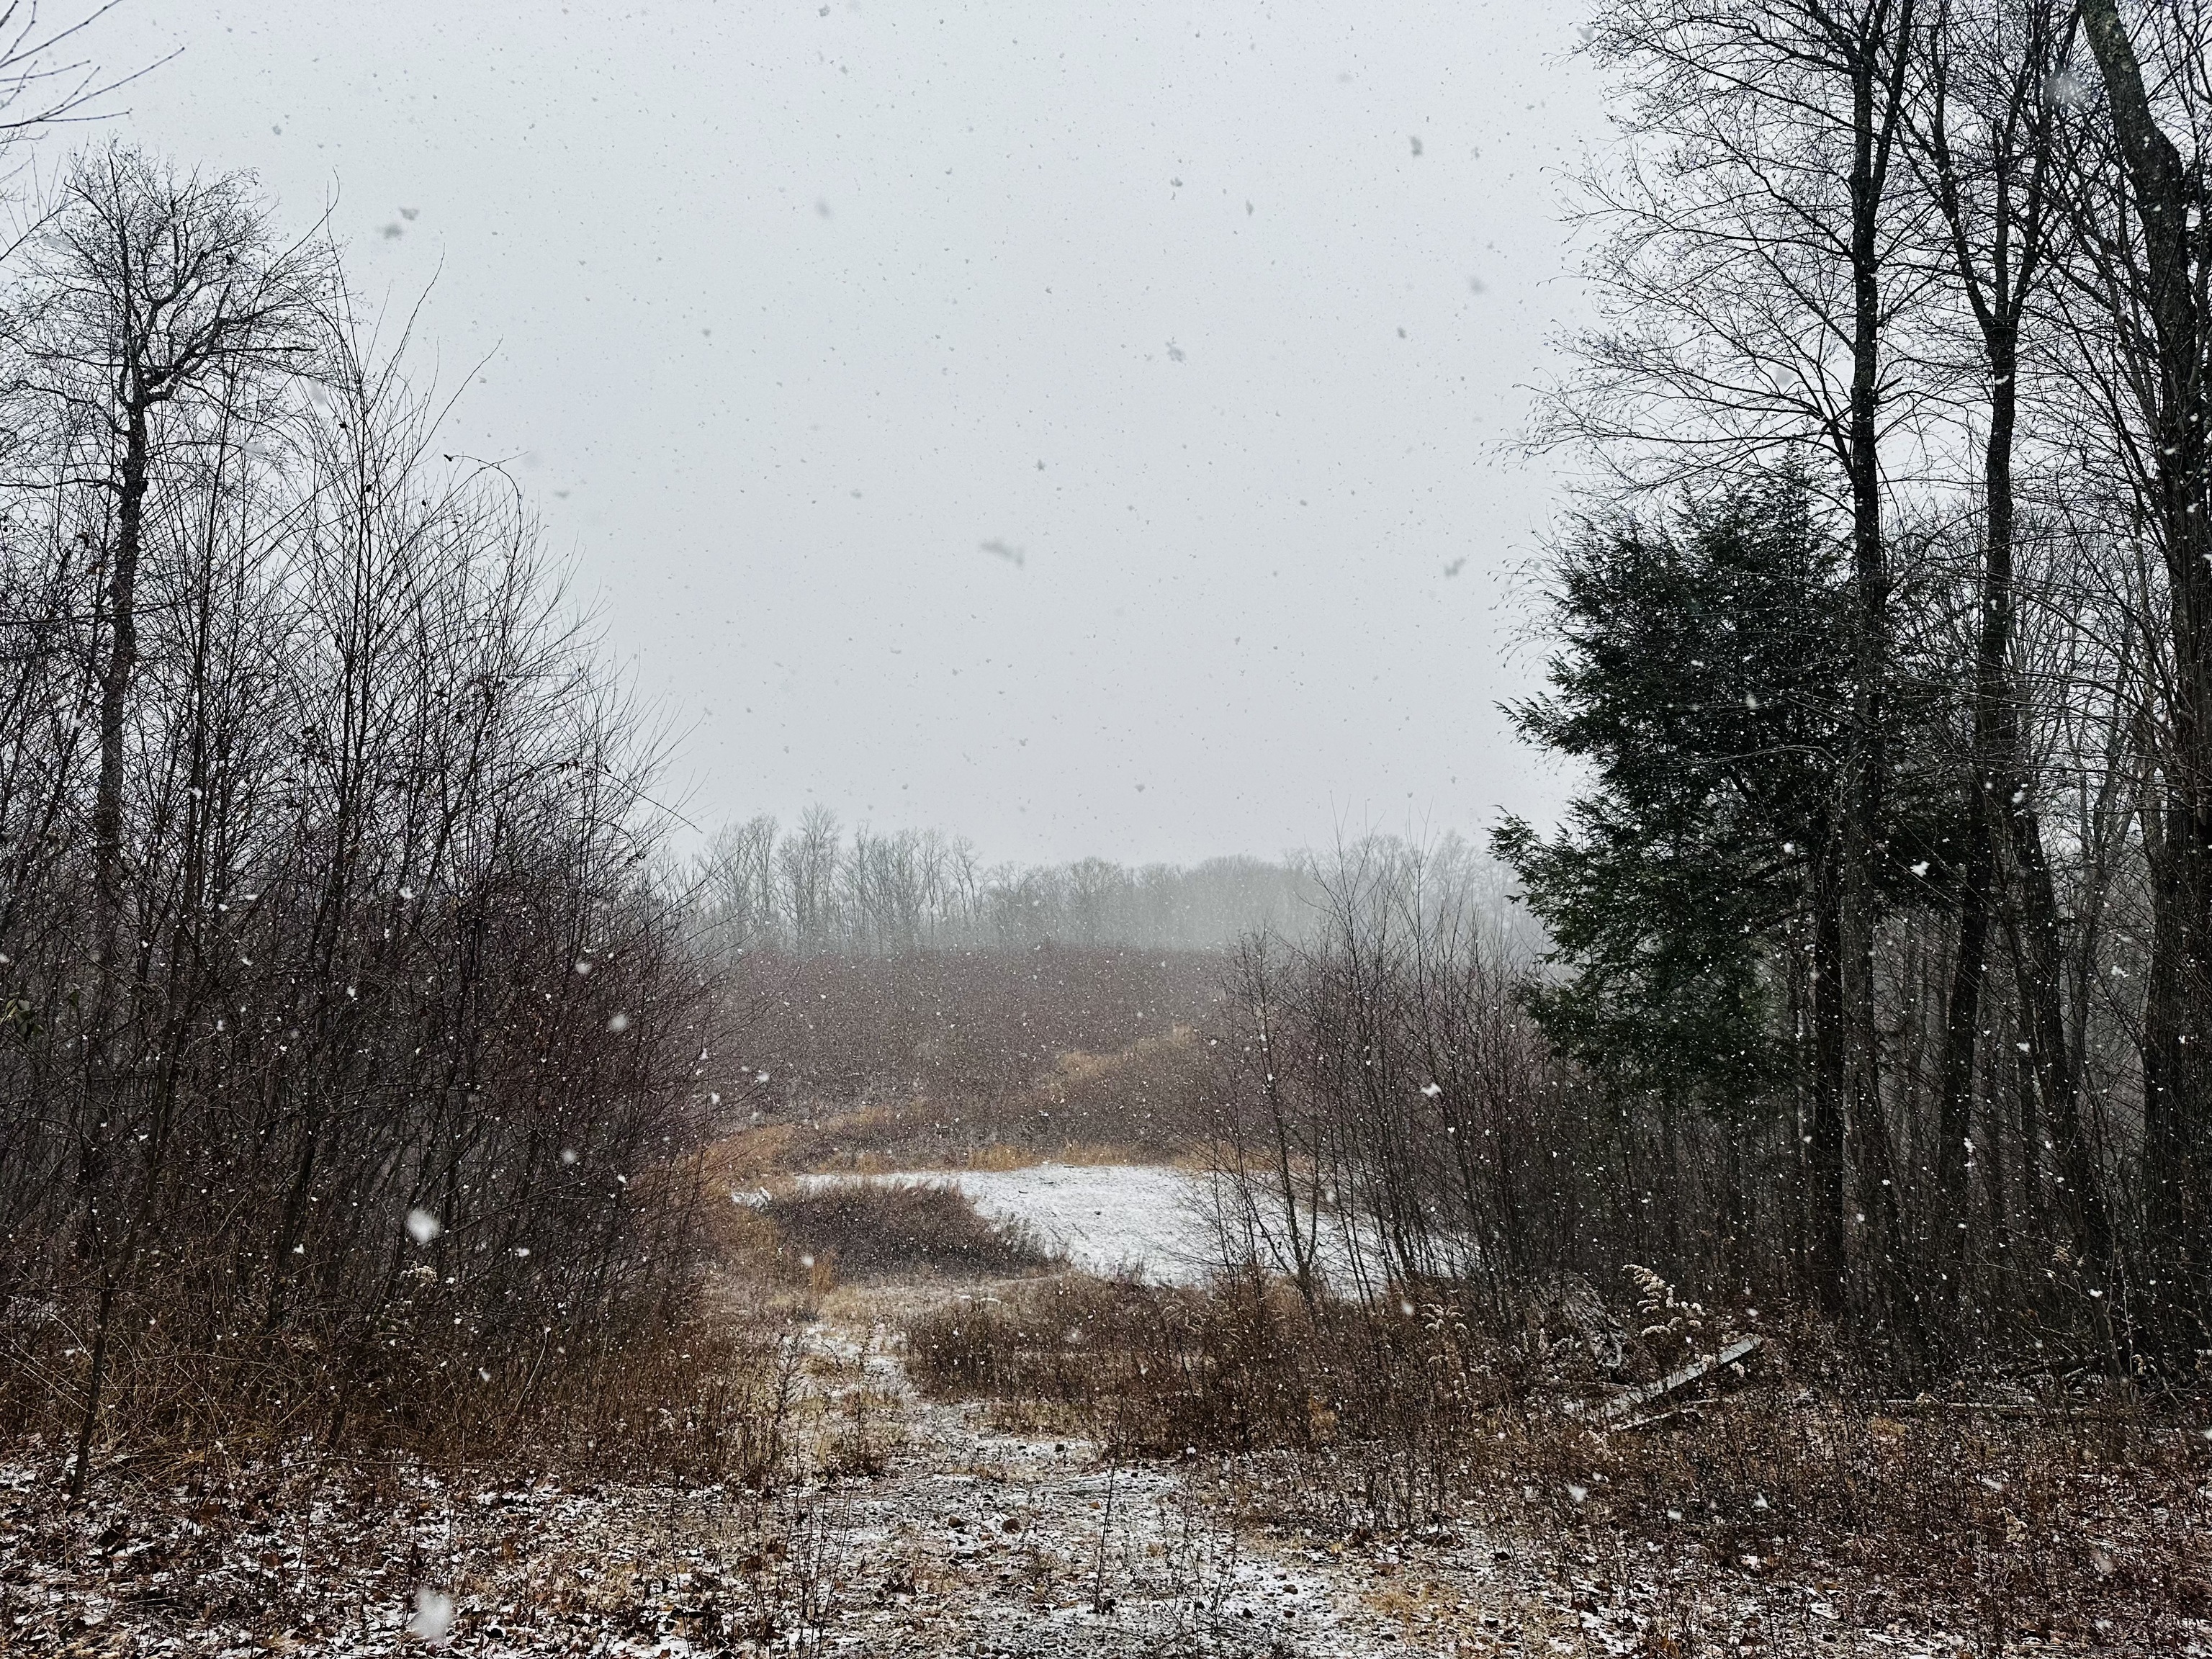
x,y
452,1198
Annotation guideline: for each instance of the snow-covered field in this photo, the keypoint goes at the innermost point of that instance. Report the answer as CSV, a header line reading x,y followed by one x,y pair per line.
x,y
1142,1220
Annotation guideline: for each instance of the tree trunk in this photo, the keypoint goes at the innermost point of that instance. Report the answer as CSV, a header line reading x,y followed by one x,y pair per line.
x,y
1823,1159
114,690
102,1086
2177,1009
1962,1015
1874,95
89,1423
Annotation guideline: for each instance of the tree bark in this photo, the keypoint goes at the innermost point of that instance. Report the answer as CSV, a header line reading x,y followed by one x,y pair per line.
x,y
1823,1159
114,692
1877,91
2177,1010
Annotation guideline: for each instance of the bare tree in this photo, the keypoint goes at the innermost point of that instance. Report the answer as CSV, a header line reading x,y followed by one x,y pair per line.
x,y
2154,262
809,859
151,303
149,295
1983,138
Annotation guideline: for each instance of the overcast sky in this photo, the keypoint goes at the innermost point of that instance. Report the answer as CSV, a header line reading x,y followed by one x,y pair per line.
x,y
1087,428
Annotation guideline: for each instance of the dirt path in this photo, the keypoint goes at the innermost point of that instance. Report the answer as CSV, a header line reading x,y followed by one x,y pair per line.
x,y
970,1540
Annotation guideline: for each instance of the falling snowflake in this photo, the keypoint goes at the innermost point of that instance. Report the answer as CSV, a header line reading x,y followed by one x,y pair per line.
x,y
434,1610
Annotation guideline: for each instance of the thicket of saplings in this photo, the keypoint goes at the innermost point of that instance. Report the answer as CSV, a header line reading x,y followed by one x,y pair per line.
x,y
348,1035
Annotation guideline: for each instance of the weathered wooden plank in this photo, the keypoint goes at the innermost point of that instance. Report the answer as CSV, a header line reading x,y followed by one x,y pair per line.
x,y
1644,1393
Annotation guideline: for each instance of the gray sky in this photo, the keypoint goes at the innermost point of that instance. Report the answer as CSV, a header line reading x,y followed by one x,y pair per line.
x,y
1054,423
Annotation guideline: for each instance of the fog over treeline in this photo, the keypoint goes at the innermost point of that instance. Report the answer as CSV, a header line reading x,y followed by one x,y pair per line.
x,y
815,887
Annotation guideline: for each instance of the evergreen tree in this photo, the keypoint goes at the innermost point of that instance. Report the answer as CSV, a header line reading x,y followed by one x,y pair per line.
x,y
1704,677
1695,895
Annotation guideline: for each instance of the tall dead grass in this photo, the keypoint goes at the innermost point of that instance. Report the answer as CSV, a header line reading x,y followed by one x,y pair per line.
x,y
656,1392
1132,1104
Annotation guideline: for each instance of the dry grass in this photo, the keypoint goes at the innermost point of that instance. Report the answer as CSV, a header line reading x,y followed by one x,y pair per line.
x,y
641,1371
882,1229
997,1156
1133,1105
677,1395
1166,1368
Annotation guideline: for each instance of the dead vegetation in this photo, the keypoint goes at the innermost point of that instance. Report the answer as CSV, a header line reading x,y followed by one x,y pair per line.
x,y
299,1553
880,1229
2083,1513
1136,1103
687,1396
967,1043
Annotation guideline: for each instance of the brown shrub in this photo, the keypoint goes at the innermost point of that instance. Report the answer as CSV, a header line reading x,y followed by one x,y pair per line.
x,y
1240,1365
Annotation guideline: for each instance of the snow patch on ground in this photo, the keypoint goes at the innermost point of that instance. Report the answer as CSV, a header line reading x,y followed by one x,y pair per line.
x,y
1142,1220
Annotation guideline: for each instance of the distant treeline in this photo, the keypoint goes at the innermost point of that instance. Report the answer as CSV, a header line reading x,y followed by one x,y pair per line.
x,y
812,890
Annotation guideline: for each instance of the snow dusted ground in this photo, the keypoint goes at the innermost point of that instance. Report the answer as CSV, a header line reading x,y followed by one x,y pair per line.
x,y
924,1531
1144,1220
928,1529
982,1542
919,1527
